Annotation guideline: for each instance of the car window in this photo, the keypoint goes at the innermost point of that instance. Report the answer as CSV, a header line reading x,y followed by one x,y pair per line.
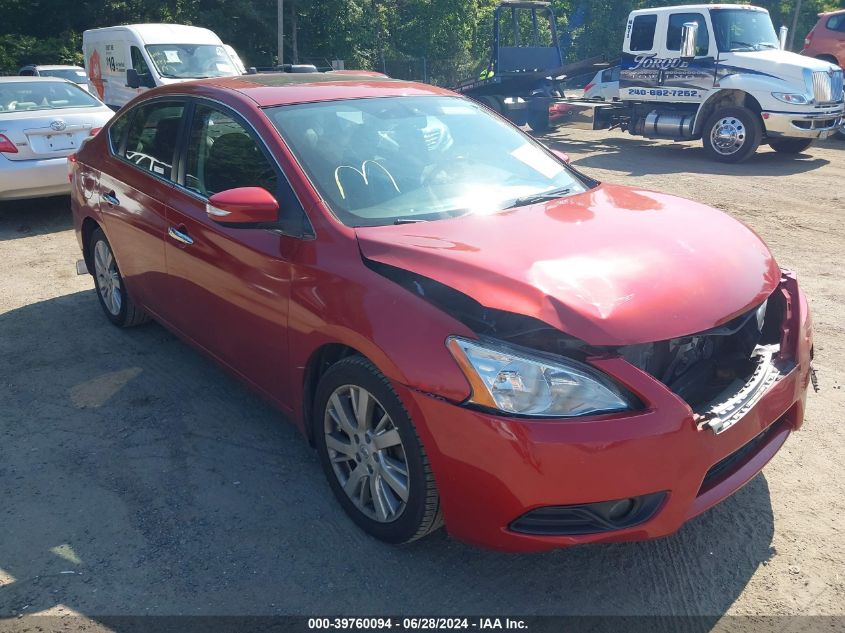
x,y
642,32
28,72
673,32
117,131
138,62
379,161
151,140
836,22
43,95
71,74
222,155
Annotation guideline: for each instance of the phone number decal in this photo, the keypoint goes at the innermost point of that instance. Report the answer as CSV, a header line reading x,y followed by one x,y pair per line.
x,y
662,92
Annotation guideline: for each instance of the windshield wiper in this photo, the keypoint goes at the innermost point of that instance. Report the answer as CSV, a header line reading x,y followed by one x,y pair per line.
x,y
552,194
407,220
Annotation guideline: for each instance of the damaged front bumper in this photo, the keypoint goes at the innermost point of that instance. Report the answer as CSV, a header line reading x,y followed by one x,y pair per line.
x,y
631,476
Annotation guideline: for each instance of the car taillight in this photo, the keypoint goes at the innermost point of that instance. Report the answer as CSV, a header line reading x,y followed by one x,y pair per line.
x,y
808,40
71,161
6,146
587,87
94,131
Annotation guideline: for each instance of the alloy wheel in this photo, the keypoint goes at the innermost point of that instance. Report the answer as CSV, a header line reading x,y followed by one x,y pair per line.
x,y
728,135
108,278
366,453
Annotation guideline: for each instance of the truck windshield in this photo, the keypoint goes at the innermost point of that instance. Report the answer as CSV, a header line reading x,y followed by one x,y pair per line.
x,y
191,61
395,160
743,30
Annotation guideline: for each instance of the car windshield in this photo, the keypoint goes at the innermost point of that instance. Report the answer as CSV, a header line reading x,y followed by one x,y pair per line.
x,y
393,160
191,61
76,75
743,30
43,95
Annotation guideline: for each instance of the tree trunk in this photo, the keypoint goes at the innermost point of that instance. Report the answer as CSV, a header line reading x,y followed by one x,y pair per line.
x,y
293,28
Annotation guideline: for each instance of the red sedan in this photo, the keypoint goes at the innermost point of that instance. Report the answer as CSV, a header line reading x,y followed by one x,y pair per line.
x,y
467,329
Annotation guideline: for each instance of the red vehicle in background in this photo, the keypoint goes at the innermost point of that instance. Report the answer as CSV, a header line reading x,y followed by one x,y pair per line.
x,y
467,329
826,40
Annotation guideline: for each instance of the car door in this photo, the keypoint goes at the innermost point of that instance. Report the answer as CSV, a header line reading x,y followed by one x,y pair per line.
x,y
682,81
135,180
229,286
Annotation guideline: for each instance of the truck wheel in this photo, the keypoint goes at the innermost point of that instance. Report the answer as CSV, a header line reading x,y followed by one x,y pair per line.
x,y
732,135
538,122
492,102
791,145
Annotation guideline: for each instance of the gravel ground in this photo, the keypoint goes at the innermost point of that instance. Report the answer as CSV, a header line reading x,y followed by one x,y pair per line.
x,y
138,478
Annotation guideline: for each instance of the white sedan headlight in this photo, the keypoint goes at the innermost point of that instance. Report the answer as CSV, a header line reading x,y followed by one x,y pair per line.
x,y
514,381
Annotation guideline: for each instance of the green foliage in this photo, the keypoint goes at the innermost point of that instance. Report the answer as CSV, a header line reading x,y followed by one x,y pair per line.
x,y
443,40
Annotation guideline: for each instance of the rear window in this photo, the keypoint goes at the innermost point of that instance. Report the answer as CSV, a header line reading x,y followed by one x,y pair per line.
x,y
642,32
43,95
836,22
76,75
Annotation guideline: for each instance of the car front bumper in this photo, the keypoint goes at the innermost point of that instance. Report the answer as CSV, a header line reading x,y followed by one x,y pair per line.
x,y
794,125
21,179
491,470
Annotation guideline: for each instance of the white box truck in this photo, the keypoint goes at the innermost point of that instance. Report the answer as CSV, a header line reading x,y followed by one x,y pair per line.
x,y
718,73
123,61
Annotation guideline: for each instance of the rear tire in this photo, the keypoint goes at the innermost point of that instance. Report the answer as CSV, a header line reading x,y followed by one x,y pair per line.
x,y
371,454
791,145
732,135
538,122
110,285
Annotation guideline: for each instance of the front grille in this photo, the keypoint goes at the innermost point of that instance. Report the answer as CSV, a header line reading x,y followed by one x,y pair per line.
x,y
827,86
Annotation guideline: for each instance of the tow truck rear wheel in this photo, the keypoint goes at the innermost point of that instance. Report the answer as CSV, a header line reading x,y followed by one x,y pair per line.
x,y
732,135
791,145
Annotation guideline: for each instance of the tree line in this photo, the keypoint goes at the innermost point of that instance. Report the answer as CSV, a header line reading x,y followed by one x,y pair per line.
x,y
437,40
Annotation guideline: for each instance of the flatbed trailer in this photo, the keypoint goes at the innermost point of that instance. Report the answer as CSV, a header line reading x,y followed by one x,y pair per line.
x,y
524,76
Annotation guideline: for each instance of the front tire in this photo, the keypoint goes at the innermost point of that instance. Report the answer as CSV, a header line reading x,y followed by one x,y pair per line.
x,y
791,145
110,286
732,135
371,454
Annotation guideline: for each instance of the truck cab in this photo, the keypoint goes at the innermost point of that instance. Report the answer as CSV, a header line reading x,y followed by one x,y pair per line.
x,y
719,73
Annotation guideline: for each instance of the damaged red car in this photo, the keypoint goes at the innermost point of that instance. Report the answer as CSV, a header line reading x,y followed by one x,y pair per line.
x,y
468,330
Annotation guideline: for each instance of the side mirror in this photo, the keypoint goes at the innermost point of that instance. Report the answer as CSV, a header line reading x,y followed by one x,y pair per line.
x,y
133,80
689,38
562,156
244,205
782,37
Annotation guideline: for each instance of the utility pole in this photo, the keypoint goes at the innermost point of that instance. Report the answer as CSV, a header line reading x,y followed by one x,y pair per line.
x,y
794,25
280,19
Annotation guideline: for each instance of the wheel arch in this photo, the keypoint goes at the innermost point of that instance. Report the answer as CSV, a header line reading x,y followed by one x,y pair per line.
x,y
89,225
725,98
318,363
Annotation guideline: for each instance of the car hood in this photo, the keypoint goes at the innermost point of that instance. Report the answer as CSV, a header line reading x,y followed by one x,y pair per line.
x,y
783,65
611,266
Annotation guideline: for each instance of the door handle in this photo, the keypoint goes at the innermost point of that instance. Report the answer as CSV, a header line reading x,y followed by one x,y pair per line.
x,y
111,198
179,236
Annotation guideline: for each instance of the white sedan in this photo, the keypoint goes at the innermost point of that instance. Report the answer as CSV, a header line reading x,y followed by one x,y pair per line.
x,y
42,121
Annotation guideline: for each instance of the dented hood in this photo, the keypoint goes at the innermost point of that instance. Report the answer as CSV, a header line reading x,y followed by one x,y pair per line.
x,y
612,266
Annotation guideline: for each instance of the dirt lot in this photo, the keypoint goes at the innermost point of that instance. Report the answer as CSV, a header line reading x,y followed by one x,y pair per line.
x,y
137,478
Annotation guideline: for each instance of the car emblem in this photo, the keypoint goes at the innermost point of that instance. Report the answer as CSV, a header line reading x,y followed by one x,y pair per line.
x,y
58,125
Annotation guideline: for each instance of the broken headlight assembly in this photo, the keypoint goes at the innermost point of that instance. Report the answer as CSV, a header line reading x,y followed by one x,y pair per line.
x,y
520,382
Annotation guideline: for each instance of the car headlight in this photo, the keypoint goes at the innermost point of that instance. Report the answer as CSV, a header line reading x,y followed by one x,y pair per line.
x,y
793,98
515,381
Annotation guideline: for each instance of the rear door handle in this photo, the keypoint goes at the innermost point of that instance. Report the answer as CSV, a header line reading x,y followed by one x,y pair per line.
x,y
111,198
179,236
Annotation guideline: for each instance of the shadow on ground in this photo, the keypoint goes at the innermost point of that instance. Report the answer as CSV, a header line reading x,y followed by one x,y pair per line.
x,y
138,478
24,218
637,156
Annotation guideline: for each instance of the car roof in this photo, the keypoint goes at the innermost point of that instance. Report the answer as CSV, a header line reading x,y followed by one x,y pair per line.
x,y
691,8
25,79
163,33
270,89
53,67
